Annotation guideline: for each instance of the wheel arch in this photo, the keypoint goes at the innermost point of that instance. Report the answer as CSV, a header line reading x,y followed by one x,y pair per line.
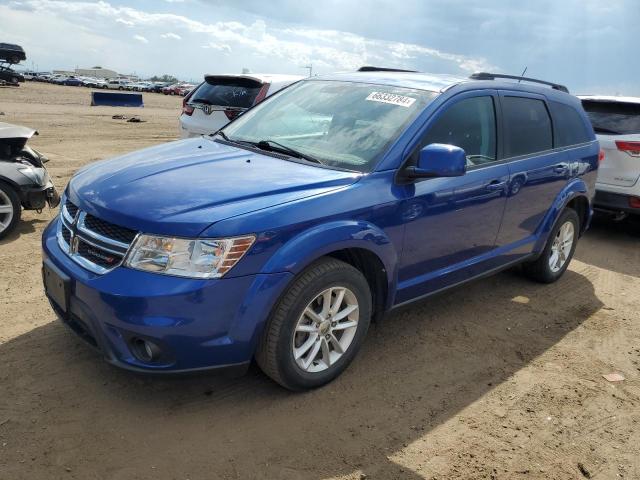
x,y
360,244
575,195
11,182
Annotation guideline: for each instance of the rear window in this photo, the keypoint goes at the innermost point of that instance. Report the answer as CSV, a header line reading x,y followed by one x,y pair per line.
x,y
570,127
528,126
613,118
238,93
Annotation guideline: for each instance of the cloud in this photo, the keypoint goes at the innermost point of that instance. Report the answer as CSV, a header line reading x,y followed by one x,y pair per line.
x,y
122,21
291,47
221,47
568,42
140,38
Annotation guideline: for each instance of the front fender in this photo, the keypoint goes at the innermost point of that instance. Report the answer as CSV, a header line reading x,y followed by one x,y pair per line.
x,y
323,239
574,189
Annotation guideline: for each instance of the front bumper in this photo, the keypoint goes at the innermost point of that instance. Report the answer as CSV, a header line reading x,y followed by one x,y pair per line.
x,y
614,202
197,324
37,197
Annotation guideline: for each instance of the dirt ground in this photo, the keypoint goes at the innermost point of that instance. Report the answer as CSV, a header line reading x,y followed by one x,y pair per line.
x,y
501,379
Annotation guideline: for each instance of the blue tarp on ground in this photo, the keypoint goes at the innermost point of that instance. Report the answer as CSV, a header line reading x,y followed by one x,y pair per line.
x,y
116,99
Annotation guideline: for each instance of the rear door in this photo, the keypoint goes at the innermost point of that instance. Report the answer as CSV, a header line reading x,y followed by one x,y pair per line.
x,y
218,100
617,125
537,171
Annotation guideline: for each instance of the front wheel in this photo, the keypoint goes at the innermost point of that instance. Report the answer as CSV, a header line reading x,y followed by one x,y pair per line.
x,y
558,251
10,209
317,327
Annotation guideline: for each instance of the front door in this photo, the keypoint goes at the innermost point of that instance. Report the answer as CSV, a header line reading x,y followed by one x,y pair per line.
x,y
451,224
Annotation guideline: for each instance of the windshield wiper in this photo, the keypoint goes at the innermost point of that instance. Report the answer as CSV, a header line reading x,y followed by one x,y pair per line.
x,y
274,146
232,140
270,145
222,134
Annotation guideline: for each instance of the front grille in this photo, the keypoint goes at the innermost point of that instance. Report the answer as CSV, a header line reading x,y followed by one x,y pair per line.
x,y
121,234
98,255
71,208
66,234
95,244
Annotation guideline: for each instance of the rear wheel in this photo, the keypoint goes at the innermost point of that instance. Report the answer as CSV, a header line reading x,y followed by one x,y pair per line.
x,y
9,210
317,326
558,251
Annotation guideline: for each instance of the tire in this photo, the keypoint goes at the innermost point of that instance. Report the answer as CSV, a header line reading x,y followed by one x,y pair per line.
x,y
516,186
541,270
14,80
8,218
275,352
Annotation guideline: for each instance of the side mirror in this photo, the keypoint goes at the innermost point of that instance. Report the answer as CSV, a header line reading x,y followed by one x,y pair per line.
x,y
439,160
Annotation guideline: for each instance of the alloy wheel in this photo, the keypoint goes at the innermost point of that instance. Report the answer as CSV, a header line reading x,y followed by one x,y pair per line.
x,y
6,211
325,329
561,246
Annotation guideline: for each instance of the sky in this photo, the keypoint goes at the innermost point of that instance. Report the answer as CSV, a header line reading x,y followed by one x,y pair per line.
x,y
589,45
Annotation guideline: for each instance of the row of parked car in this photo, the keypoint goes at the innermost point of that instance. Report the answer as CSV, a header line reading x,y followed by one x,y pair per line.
x,y
180,88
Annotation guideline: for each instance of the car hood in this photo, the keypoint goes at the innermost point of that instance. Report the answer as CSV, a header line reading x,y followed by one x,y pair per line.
x,y
8,130
13,139
181,188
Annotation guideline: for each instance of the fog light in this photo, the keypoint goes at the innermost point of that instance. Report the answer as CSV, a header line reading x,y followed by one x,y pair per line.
x,y
145,350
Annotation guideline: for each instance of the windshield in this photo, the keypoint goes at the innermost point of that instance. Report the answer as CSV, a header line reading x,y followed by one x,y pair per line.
x,y
613,118
341,124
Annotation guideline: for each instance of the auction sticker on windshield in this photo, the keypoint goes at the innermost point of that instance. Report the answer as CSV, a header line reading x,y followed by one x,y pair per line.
x,y
391,98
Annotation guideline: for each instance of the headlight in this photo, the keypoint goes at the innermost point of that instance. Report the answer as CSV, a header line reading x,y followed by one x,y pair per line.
x,y
197,258
36,175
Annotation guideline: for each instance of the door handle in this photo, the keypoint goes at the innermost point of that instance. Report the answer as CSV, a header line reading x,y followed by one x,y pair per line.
x,y
496,185
560,168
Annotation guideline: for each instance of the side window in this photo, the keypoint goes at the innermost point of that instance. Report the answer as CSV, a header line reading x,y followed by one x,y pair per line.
x,y
528,126
469,124
570,127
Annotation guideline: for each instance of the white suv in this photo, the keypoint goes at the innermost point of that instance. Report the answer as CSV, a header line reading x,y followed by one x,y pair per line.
x,y
221,98
616,121
117,83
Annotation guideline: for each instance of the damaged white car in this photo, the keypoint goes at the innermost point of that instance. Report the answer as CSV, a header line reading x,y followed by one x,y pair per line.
x,y
24,181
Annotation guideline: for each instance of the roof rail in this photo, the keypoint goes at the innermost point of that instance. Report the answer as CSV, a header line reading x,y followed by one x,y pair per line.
x,y
493,76
368,68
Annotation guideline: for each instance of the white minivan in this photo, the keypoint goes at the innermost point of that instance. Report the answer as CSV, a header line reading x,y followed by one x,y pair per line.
x,y
221,98
616,121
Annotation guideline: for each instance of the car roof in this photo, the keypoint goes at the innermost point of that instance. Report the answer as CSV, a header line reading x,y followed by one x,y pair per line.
x,y
609,98
439,83
11,46
421,81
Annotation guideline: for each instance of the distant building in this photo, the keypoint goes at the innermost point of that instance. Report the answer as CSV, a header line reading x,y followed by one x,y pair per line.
x,y
97,72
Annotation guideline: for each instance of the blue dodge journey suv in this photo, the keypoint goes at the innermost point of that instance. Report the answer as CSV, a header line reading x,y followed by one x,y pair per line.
x,y
280,237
